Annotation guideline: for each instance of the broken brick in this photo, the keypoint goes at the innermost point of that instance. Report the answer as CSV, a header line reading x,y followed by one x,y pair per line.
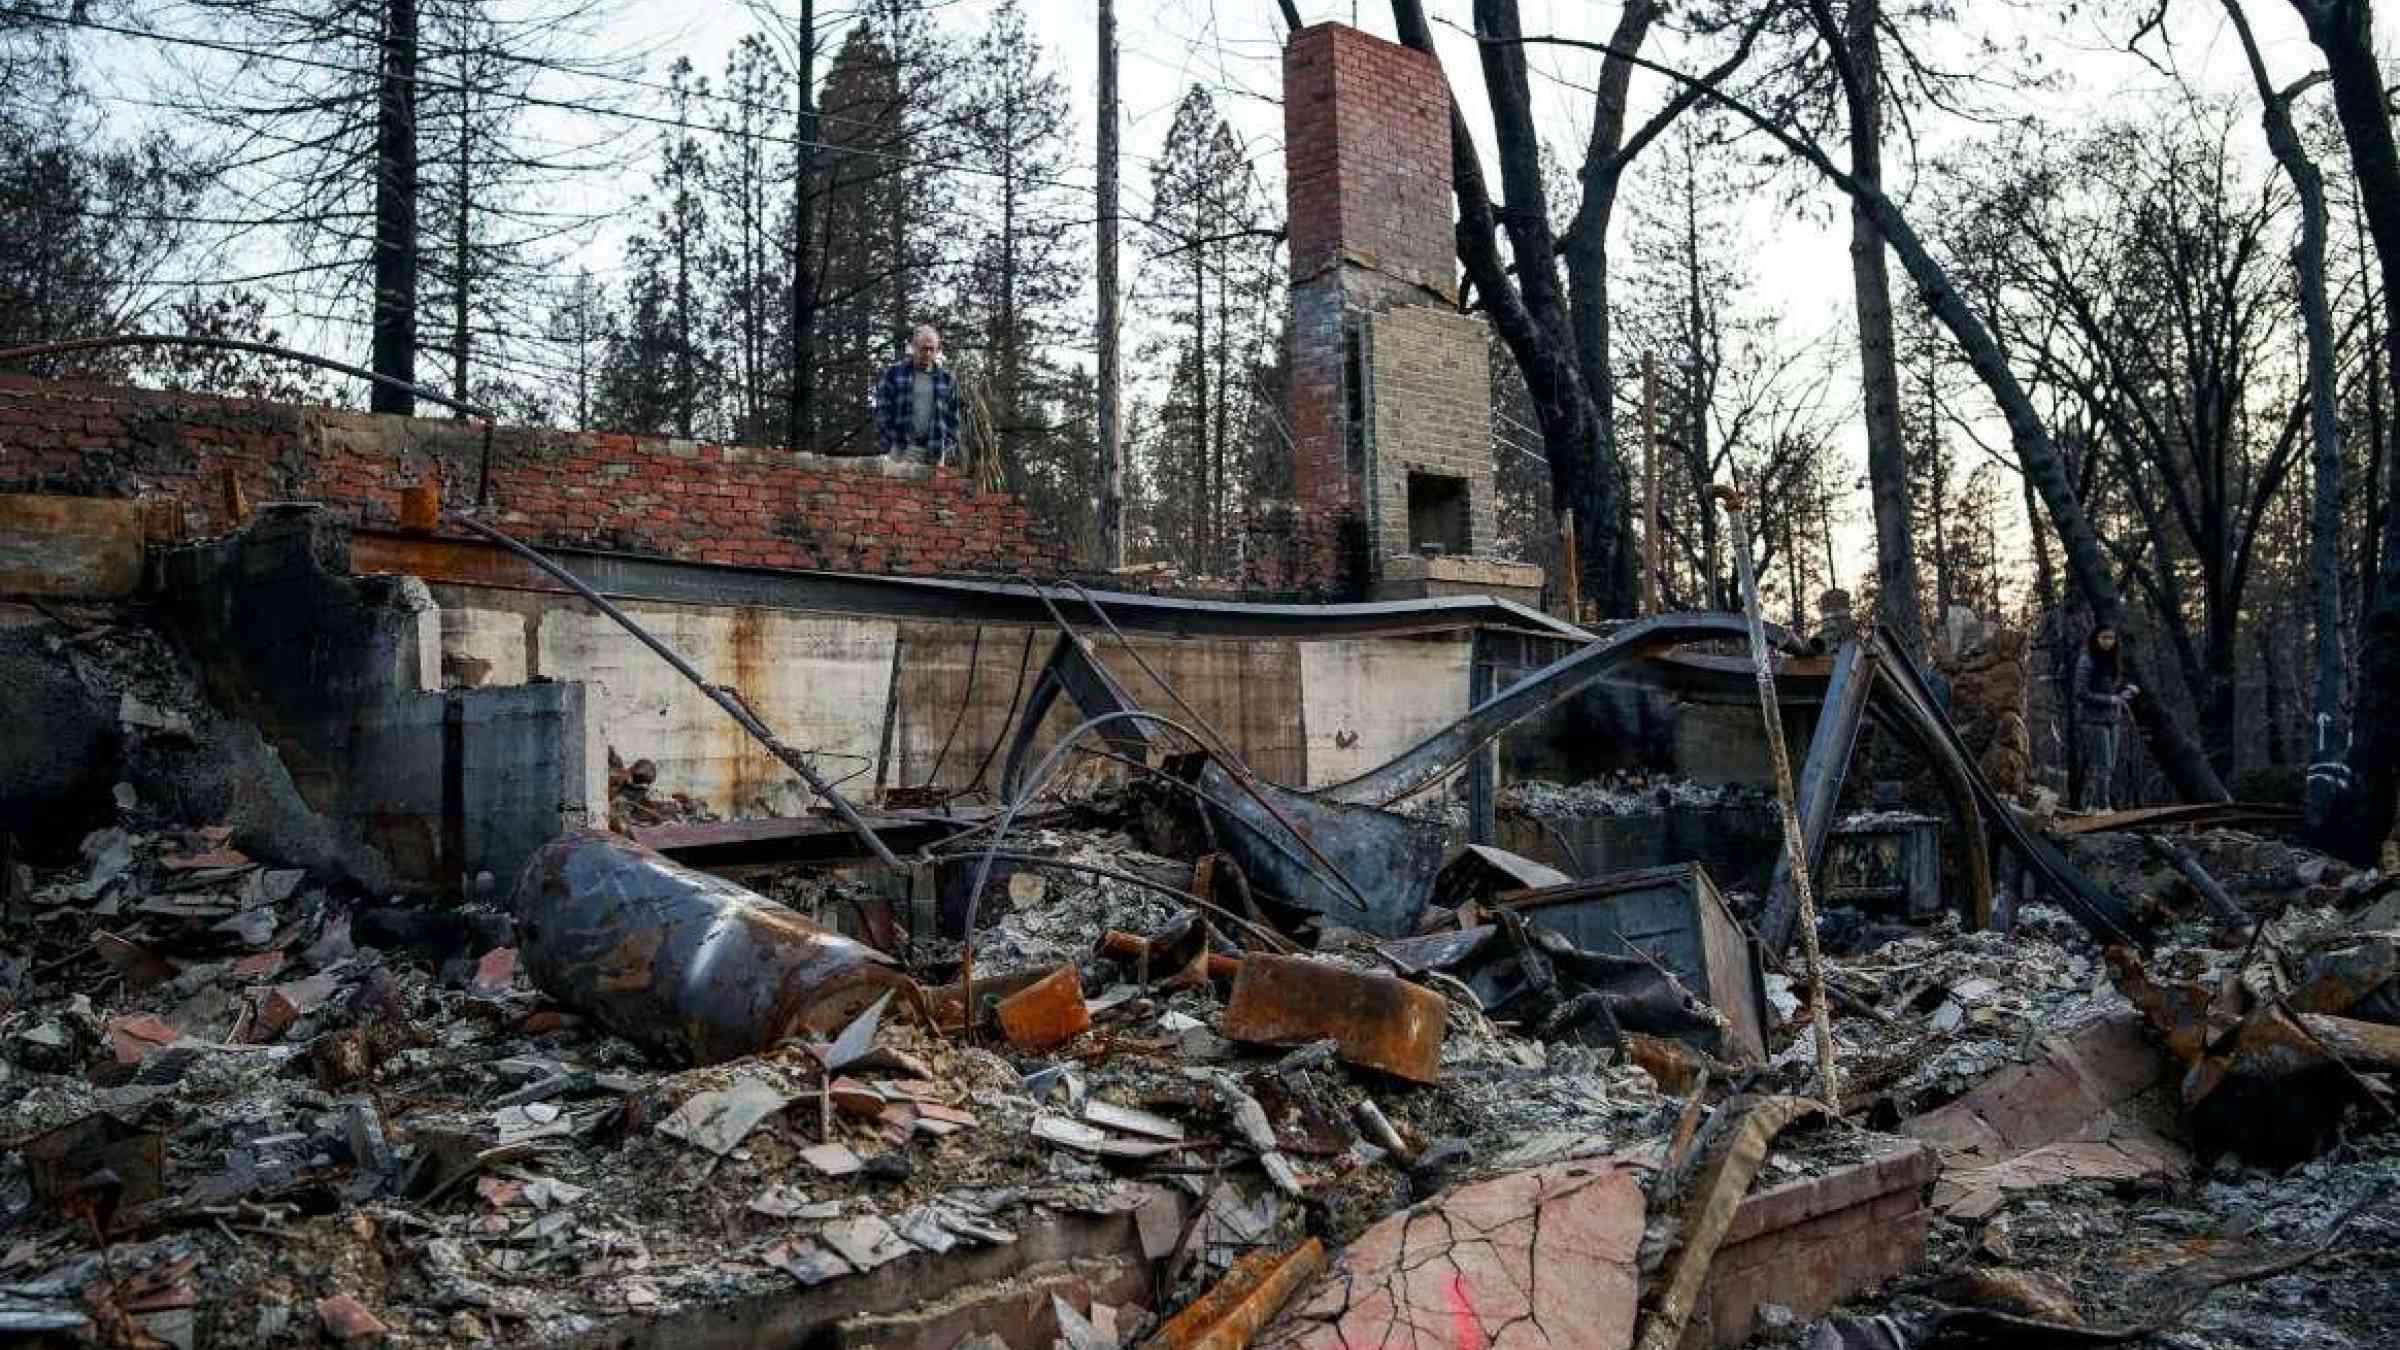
x,y
1374,1020
348,1321
851,1097
132,1038
496,972
286,1004
140,966
1536,1258
1047,1013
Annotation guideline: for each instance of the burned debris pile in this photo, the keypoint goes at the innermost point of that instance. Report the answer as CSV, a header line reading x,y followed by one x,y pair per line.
x,y
1191,1058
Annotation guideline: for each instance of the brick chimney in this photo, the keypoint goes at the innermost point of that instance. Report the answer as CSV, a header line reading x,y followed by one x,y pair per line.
x,y
1390,401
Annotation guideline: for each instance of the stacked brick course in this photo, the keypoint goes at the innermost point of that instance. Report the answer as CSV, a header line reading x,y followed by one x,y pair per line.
x,y
1367,188
679,499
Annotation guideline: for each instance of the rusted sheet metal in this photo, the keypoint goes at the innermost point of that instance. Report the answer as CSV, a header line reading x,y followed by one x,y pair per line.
x,y
469,563
1485,870
1171,968
85,547
686,965
1439,753
97,1161
1047,1013
1375,1020
1821,776
1227,1316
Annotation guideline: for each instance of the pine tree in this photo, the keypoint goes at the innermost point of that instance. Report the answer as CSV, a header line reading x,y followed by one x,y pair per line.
x,y
1022,273
662,373
1220,297
749,269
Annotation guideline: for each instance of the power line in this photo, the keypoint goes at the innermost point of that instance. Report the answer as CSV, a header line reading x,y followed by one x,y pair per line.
x,y
522,99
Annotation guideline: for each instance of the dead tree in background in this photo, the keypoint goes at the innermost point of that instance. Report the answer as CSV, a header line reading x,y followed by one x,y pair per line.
x,y
2359,818
1559,334
1854,48
2329,721
2087,563
395,253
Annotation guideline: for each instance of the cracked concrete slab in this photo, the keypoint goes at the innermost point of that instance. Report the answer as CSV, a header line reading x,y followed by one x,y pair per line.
x,y
1540,1258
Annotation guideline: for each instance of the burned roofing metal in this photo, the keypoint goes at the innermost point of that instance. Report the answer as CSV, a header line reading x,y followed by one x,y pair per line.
x,y
632,576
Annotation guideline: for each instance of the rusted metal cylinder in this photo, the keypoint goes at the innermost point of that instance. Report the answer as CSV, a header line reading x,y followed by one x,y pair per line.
x,y
686,965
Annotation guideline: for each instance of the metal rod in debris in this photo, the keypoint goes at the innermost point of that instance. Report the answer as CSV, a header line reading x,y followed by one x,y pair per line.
x,y
1795,849
731,702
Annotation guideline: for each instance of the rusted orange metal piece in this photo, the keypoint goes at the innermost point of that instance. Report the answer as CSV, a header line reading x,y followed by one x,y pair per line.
x,y
1374,1020
684,964
1133,947
1229,1315
1047,1013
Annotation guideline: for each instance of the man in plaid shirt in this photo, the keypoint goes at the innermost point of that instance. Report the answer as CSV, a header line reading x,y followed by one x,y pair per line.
x,y
916,403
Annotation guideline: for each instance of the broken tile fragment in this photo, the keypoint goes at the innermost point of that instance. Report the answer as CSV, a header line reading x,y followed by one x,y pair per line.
x,y
806,1260
286,1004
720,1121
834,1160
778,1201
865,1242
1130,1120
852,1097
257,966
1082,1138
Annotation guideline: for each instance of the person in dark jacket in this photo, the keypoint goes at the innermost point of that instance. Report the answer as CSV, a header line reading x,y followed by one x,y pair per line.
x,y
2100,698
916,403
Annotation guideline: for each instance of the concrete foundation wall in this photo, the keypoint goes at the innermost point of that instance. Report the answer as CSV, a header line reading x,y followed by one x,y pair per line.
x,y
342,677
1300,712
1368,701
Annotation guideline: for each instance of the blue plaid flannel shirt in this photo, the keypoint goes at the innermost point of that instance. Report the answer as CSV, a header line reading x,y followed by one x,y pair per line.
x,y
894,396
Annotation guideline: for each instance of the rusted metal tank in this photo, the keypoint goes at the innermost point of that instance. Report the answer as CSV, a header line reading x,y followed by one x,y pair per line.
x,y
686,965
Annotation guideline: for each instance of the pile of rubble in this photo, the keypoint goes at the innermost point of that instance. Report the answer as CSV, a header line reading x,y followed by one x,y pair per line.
x,y
1196,1061
248,1111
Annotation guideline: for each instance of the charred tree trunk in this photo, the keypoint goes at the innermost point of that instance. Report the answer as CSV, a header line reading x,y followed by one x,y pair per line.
x,y
459,342
2359,817
395,256
1879,369
800,389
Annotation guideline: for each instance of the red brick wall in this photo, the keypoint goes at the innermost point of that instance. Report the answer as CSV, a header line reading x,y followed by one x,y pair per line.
x,y
681,499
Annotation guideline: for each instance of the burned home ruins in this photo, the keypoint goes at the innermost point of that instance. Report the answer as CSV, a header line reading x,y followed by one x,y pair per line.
x,y
474,884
